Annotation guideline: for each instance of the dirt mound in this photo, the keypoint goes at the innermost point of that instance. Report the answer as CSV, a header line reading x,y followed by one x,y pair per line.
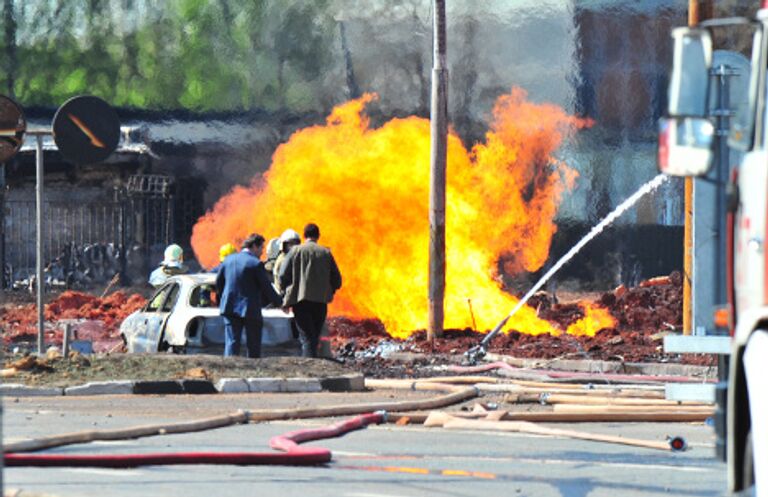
x,y
99,318
655,305
643,315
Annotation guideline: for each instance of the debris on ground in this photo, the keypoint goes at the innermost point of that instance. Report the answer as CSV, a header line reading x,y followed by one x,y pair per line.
x,y
644,315
94,318
197,373
30,363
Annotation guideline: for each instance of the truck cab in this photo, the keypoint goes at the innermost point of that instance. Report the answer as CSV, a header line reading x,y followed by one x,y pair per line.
x,y
687,143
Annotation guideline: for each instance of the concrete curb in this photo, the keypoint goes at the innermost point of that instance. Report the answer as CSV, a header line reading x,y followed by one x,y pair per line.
x,y
198,387
160,387
19,390
101,388
232,385
345,383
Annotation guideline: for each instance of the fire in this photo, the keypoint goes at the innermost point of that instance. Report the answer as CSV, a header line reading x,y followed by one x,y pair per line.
x,y
368,190
595,319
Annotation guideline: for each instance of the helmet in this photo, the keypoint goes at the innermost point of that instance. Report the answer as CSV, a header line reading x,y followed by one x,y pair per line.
x,y
273,249
289,236
173,255
225,250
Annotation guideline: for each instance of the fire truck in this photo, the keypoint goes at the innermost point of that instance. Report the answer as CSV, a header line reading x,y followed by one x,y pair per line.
x,y
691,142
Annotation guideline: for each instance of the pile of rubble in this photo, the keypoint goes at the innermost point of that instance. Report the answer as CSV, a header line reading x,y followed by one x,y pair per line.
x,y
94,318
644,314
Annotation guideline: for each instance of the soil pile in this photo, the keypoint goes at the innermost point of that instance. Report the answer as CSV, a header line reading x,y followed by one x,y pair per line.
x,y
94,318
644,314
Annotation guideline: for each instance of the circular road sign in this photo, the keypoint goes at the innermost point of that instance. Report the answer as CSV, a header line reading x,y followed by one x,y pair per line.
x,y
86,129
13,125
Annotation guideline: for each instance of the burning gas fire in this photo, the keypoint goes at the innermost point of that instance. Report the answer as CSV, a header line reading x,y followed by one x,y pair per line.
x,y
368,190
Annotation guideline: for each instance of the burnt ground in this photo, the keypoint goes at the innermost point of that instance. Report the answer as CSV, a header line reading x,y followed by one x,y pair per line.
x,y
644,314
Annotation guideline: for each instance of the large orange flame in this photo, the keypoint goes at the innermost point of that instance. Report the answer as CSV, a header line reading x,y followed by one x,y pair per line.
x,y
368,190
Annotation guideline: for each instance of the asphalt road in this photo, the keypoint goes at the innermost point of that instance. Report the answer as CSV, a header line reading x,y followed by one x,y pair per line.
x,y
380,461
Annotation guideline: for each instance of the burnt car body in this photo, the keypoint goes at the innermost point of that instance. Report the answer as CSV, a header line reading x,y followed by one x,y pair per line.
x,y
182,317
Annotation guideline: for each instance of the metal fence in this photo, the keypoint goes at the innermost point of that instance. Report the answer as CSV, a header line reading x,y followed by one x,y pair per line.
x,y
87,242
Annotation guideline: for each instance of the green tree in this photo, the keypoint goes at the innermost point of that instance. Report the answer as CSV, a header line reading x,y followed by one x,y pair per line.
x,y
194,54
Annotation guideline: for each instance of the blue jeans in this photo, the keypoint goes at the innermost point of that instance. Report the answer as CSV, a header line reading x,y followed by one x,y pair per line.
x,y
233,331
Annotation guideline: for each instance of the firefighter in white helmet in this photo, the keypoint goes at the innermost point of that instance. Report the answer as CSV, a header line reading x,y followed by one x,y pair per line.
x,y
173,263
289,239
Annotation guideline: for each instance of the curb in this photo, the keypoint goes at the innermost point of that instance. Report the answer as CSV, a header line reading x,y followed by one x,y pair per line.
x,y
101,388
345,383
19,390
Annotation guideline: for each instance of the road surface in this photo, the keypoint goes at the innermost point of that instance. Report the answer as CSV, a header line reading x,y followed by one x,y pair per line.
x,y
380,461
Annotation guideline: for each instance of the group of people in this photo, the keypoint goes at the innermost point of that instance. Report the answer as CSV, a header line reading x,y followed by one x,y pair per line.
x,y
304,278
298,276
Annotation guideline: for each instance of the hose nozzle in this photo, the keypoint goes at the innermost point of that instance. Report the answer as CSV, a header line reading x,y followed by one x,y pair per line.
x,y
475,354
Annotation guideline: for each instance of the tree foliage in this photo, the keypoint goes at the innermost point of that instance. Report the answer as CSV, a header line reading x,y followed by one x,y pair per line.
x,y
193,54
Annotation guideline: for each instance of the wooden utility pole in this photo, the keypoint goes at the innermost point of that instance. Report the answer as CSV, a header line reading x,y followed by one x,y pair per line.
x,y
439,128
698,10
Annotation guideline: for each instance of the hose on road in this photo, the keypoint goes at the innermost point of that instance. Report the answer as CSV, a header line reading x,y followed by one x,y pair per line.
x,y
454,395
293,454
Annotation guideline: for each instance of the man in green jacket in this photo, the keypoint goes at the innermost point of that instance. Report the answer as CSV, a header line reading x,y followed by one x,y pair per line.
x,y
309,275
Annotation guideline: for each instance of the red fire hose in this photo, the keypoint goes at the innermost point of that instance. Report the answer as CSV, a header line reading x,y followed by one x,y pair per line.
x,y
293,454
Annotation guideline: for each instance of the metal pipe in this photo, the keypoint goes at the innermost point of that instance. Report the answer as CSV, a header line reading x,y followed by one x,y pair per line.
x,y
2,243
698,10
65,340
723,74
39,252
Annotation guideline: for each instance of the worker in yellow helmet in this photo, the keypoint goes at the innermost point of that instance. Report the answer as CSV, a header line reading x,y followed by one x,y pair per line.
x,y
206,294
224,251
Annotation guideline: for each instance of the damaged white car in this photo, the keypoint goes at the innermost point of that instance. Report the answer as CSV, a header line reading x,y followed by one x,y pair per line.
x,y
182,317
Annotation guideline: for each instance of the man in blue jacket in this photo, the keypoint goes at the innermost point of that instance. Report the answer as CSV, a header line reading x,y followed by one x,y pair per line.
x,y
243,285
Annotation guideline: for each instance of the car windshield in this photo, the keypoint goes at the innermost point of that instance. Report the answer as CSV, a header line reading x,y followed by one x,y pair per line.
x,y
158,299
203,296
173,295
